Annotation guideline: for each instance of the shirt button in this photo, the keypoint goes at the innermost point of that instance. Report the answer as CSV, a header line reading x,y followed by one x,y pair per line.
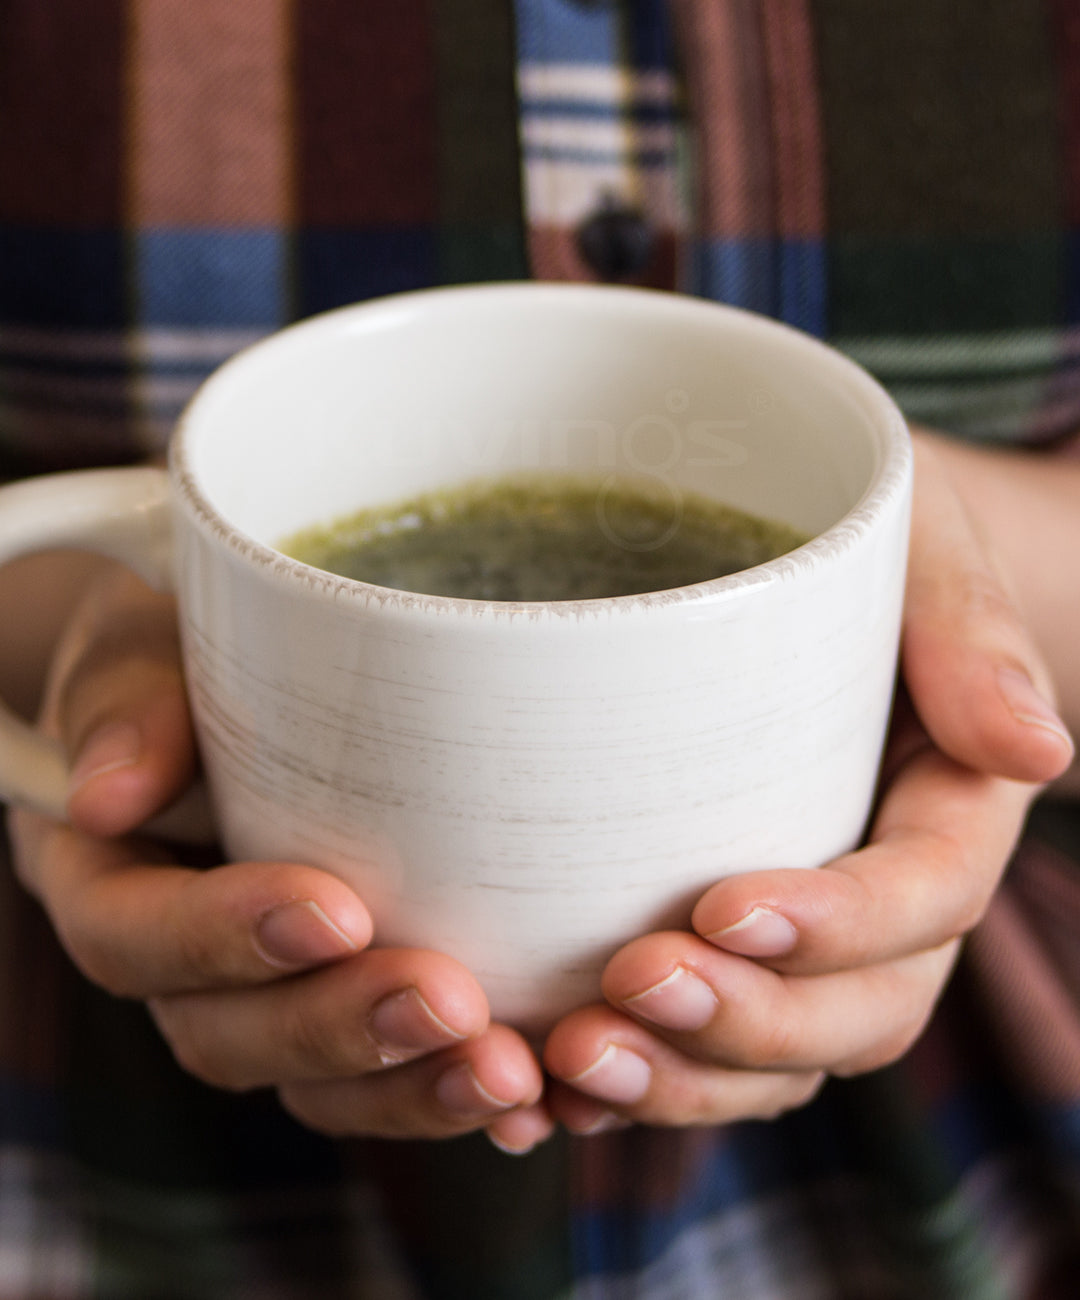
x,y
617,242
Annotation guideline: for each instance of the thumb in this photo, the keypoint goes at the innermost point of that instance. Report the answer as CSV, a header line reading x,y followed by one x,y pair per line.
x,y
976,678
116,698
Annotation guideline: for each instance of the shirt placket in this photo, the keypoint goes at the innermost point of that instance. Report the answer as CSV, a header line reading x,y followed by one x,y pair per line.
x,y
600,131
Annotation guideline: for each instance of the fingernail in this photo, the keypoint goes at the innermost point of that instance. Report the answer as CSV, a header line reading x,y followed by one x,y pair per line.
x,y
507,1149
112,746
460,1092
299,933
680,1001
761,933
603,1123
402,1024
617,1075
521,1131
1028,706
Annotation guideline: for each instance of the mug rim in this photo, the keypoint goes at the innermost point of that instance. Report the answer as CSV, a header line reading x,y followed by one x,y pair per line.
x,y
890,482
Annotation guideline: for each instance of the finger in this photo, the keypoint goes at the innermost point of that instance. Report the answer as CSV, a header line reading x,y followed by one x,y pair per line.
x,y
731,1012
444,1095
637,1076
939,843
376,1010
518,1131
580,1114
975,676
117,700
140,926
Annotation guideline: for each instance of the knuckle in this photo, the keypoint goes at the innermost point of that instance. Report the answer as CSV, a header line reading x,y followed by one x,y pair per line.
x,y
775,1043
198,951
855,918
110,683
983,599
317,1042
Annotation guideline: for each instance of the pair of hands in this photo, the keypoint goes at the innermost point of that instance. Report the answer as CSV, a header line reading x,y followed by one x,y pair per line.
x,y
261,975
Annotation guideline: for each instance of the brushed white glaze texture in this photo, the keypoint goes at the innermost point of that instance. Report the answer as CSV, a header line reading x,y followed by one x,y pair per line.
x,y
526,787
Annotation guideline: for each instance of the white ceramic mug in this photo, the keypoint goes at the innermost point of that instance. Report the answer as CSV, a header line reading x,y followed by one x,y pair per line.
x,y
525,787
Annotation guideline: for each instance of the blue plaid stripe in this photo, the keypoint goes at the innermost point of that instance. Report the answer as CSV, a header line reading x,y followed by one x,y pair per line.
x,y
194,279
783,278
586,34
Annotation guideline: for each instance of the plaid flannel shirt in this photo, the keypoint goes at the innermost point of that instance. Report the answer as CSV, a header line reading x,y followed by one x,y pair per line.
x,y
901,177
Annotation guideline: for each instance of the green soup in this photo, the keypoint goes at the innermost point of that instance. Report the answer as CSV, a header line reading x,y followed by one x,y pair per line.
x,y
543,538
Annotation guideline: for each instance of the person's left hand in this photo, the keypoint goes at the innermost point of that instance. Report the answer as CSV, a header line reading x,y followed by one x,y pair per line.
x,y
791,975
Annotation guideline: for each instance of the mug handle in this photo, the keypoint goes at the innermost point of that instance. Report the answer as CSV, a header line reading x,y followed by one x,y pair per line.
x,y
123,514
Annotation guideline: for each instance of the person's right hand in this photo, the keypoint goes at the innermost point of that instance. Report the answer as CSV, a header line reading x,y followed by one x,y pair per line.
x,y
258,974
